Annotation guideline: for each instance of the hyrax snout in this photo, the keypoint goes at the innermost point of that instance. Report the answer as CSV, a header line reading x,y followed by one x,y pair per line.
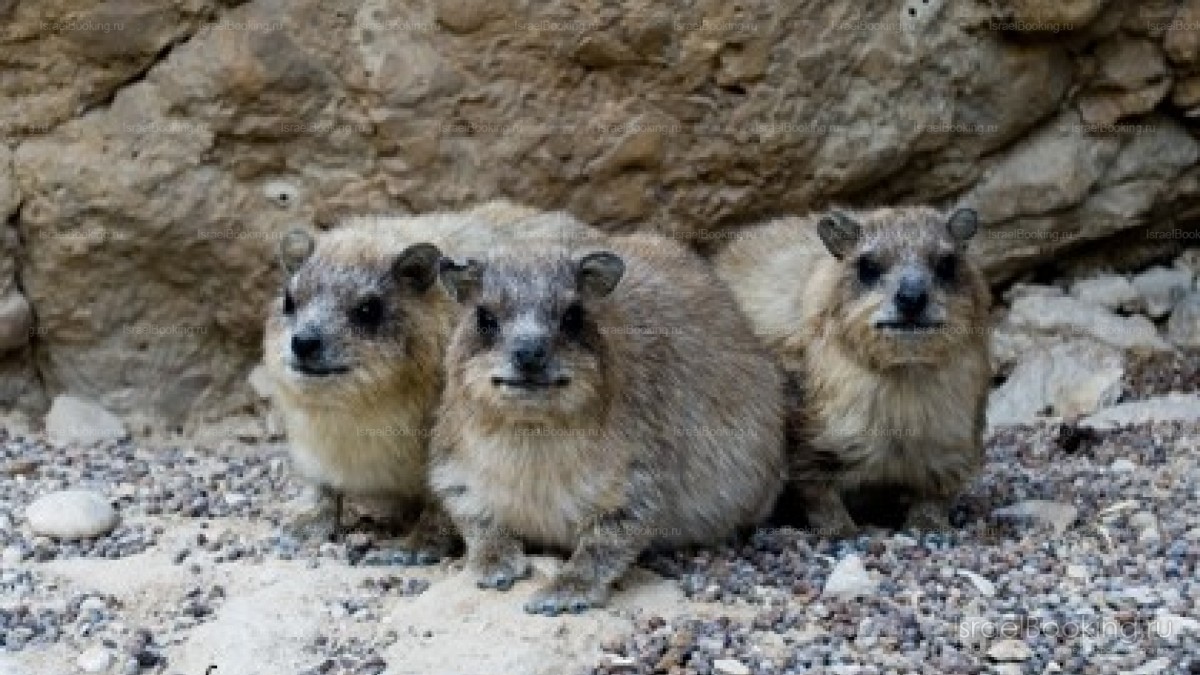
x,y
588,409
881,318
355,344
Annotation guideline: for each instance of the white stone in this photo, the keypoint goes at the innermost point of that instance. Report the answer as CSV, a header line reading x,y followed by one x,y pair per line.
x,y
12,555
620,663
1143,519
1112,291
1183,328
95,660
849,579
1069,379
235,499
1066,316
76,420
1009,650
1122,466
984,586
1058,515
71,514
730,667
1159,665
1161,288
1172,627
1170,408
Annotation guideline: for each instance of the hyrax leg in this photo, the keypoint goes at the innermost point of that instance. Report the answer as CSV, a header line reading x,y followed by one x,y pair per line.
x,y
496,557
432,537
321,518
827,514
929,513
606,549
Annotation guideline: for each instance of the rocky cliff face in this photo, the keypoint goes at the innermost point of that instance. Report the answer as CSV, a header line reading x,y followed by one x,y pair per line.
x,y
155,151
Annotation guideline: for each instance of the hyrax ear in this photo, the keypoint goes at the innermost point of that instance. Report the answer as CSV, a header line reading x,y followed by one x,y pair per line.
x,y
417,266
598,274
461,281
963,225
294,248
840,232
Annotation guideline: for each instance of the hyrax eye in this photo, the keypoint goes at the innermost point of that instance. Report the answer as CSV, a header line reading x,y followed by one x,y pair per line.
x,y
572,320
367,313
869,270
946,267
289,304
486,323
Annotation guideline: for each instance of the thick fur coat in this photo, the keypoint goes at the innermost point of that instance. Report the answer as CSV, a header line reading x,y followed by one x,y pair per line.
x,y
874,404
660,421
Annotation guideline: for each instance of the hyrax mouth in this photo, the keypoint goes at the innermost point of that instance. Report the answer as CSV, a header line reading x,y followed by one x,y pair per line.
x,y
910,326
530,383
319,371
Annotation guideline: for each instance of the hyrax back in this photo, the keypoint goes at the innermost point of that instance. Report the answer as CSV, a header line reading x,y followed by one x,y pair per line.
x,y
589,407
355,344
881,318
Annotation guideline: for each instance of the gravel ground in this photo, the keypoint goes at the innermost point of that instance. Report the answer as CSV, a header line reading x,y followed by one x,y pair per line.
x,y
156,489
1116,591
1085,601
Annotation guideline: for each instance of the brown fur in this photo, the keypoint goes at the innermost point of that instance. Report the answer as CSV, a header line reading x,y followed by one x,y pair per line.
x,y
364,433
875,406
647,444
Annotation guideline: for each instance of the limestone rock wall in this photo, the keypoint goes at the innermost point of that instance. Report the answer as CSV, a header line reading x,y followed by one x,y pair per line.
x,y
155,150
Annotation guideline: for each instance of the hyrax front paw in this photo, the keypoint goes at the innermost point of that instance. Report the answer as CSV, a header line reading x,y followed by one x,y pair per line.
x,y
502,571
567,593
427,544
933,516
316,524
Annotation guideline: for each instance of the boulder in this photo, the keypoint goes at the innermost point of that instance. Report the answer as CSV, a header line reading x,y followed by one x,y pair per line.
x,y
1066,316
157,155
1111,291
1183,328
1170,408
1162,287
1065,380
76,420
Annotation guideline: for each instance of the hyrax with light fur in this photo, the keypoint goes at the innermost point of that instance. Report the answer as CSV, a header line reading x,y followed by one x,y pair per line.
x,y
355,347
601,402
881,319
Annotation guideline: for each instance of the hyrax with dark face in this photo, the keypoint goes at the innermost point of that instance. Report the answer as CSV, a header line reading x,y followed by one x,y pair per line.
x,y
601,402
881,318
355,346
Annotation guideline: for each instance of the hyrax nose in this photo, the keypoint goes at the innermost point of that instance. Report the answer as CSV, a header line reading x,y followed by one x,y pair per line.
x,y
305,345
530,355
911,298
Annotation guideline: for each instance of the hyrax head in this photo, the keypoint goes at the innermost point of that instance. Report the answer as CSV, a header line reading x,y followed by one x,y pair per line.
x,y
348,315
531,347
906,290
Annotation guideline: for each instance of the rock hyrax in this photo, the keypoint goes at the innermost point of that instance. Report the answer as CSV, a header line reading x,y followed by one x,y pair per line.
x,y
589,407
355,346
881,319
